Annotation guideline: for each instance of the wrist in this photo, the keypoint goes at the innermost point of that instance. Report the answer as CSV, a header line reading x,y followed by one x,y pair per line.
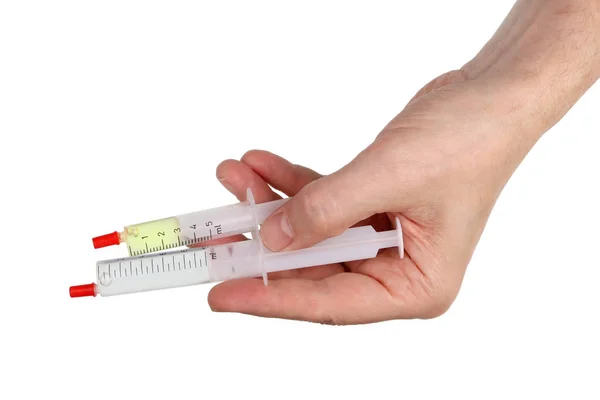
x,y
542,59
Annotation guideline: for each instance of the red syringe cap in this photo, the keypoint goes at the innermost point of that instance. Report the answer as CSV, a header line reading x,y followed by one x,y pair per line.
x,y
109,239
83,290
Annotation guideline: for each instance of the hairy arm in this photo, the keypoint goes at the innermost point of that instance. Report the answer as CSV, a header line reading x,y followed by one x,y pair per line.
x,y
547,52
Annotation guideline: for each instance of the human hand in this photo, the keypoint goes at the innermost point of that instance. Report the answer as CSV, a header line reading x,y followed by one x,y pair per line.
x,y
439,166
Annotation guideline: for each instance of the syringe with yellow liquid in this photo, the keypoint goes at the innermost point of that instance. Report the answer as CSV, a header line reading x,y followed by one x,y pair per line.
x,y
188,229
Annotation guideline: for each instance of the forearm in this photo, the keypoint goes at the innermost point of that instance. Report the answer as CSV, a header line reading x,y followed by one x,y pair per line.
x,y
547,54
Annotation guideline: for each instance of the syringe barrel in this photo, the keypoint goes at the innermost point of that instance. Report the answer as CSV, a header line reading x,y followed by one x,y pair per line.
x,y
195,227
152,272
178,268
243,260
232,261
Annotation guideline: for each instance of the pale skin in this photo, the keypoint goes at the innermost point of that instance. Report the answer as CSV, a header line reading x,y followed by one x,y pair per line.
x,y
439,166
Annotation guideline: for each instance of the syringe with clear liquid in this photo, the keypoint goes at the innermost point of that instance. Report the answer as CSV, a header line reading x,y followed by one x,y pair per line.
x,y
241,259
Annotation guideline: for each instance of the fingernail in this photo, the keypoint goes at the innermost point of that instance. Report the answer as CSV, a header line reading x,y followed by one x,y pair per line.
x,y
276,232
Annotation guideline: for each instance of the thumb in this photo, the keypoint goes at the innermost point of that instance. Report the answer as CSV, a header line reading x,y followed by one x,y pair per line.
x,y
325,208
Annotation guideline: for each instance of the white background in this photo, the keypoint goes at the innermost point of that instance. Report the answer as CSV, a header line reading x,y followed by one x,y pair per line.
x,y
118,112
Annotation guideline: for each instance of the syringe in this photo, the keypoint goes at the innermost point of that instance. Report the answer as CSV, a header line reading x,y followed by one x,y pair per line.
x,y
230,261
187,229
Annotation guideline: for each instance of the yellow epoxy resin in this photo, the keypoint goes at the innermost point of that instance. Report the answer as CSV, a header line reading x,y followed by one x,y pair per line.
x,y
152,236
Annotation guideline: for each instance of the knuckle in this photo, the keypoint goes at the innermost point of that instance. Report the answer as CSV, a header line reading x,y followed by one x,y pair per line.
x,y
321,215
